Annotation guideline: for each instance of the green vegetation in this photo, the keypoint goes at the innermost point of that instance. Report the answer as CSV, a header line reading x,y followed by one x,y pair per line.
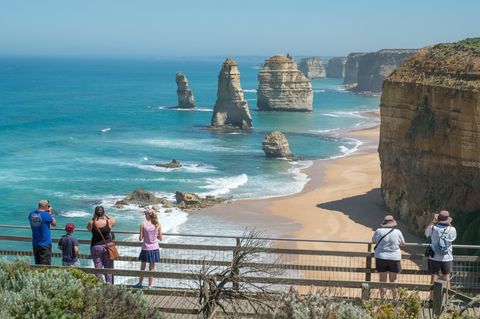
x,y
321,305
473,43
30,293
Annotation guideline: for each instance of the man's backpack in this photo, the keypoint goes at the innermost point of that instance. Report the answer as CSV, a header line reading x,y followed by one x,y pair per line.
x,y
442,246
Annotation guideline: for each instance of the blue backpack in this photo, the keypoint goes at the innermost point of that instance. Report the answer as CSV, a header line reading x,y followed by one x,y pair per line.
x,y
442,246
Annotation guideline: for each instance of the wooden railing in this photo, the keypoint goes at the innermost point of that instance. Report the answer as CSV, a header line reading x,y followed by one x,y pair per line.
x,y
349,270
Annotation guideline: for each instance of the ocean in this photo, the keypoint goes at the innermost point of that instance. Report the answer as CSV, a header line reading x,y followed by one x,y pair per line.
x,y
82,132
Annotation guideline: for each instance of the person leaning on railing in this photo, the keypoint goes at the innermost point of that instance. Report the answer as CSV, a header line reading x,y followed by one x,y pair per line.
x,y
442,235
40,221
387,252
101,228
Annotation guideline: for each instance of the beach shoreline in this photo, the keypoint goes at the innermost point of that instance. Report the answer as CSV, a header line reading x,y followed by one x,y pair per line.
x,y
341,201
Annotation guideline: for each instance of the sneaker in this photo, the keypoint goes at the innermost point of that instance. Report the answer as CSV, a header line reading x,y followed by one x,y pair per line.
x,y
137,286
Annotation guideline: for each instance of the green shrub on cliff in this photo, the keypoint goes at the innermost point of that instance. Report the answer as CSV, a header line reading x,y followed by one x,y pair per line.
x,y
473,43
31,293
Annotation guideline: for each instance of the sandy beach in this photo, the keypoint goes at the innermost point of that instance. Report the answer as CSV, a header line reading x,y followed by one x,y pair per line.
x,y
342,201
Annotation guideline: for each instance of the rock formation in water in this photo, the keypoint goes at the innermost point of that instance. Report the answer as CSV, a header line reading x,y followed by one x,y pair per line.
x,y
191,201
336,67
139,197
312,67
185,95
173,164
351,69
283,87
275,145
231,109
374,67
430,134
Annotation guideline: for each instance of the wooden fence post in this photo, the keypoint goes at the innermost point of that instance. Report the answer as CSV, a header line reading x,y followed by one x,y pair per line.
x,y
439,296
368,265
236,271
365,291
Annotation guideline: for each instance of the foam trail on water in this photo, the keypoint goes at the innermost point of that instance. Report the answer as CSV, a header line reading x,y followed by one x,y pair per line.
x,y
223,185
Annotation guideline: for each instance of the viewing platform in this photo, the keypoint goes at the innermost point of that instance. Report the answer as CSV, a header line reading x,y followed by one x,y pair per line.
x,y
345,269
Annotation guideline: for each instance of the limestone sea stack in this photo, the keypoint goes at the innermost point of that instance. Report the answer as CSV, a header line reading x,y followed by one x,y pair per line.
x,y
351,69
430,134
336,67
374,67
185,95
231,109
283,87
312,68
275,145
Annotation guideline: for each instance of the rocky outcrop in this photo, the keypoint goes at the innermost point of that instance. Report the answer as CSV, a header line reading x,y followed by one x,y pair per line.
x,y
374,67
185,95
312,68
231,109
351,69
429,136
191,201
173,164
282,87
139,197
275,145
336,67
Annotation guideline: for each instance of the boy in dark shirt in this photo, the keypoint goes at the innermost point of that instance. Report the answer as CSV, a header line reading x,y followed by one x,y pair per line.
x,y
69,247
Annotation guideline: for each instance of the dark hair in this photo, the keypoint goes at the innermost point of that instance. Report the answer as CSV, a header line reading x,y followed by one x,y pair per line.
x,y
99,211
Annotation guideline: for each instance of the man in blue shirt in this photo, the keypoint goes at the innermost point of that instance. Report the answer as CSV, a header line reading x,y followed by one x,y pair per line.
x,y
40,221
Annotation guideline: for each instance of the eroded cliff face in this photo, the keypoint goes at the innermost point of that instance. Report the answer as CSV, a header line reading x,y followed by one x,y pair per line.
x,y
231,109
429,135
312,67
185,95
351,69
283,87
336,67
374,67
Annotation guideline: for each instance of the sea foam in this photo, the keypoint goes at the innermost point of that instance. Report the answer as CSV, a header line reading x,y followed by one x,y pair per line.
x,y
223,185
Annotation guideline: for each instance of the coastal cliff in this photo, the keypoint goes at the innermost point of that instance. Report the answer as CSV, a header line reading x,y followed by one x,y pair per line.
x,y
429,135
185,95
336,67
312,68
351,69
231,109
283,87
374,67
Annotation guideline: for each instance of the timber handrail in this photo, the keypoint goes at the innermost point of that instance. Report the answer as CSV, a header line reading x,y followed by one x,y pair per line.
x,y
261,280
359,242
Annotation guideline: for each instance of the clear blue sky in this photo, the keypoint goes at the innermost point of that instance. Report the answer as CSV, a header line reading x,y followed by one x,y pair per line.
x,y
154,28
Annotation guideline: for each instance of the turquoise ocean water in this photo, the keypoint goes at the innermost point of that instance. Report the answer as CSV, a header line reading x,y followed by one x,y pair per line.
x,y
83,131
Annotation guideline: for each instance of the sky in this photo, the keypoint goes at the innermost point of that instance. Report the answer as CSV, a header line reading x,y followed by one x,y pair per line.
x,y
158,28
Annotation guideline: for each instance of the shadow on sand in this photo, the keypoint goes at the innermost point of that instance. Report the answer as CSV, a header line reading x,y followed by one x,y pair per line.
x,y
369,209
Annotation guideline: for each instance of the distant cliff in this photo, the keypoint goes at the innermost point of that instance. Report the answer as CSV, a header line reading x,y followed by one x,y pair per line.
x,y
430,134
312,68
351,69
374,67
282,87
231,110
336,67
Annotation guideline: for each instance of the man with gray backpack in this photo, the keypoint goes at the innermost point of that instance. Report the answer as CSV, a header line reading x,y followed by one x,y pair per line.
x,y
440,256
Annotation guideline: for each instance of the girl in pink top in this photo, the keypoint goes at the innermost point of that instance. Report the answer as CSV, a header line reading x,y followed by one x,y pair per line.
x,y
150,233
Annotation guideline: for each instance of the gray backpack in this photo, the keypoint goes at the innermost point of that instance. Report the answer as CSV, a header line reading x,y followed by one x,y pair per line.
x,y
442,245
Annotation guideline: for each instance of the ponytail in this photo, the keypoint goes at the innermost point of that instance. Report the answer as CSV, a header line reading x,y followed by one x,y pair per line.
x,y
154,219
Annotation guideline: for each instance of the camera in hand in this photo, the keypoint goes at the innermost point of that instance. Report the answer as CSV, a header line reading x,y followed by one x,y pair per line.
x,y
429,252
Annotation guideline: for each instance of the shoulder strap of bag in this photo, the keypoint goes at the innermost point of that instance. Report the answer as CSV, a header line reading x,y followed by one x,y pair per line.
x,y
98,230
378,242
443,233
